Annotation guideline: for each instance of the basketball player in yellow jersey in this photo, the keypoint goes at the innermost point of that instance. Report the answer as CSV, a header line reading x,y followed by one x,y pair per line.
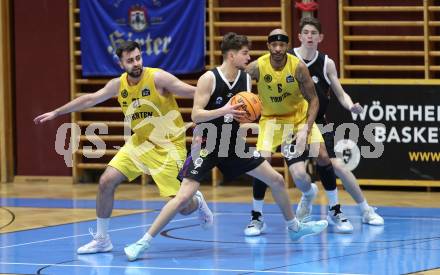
x,y
157,147
290,106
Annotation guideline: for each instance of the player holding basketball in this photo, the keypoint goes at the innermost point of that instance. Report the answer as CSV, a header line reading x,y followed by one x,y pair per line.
x,y
324,74
290,106
211,104
146,96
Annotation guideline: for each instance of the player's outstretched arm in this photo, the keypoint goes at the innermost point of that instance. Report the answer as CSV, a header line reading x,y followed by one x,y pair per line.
x,y
307,88
82,102
201,99
336,86
168,83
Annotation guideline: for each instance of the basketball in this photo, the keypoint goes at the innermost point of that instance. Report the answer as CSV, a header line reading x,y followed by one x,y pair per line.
x,y
251,105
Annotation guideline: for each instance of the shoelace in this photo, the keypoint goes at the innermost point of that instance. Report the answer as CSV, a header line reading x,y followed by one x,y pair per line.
x,y
94,234
307,218
305,200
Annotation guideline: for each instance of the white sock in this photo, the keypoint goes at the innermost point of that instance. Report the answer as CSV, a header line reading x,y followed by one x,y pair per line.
x,y
147,238
332,197
309,193
102,226
199,200
363,206
293,224
258,205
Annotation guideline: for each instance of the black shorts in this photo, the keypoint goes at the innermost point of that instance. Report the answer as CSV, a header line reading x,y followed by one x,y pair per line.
x,y
231,166
329,140
289,155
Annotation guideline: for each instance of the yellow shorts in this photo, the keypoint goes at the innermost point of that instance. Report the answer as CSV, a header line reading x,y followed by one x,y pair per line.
x,y
162,165
274,131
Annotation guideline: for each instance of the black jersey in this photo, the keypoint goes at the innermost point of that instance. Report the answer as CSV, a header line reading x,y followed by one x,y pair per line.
x,y
200,163
317,68
221,93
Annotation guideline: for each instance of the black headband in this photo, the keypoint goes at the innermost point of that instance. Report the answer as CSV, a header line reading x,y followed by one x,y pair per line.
x,y
278,37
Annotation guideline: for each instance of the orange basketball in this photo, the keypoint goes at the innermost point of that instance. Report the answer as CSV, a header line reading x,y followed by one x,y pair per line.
x,y
251,105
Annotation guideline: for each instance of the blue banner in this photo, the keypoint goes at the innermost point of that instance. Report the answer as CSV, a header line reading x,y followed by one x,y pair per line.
x,y
171,34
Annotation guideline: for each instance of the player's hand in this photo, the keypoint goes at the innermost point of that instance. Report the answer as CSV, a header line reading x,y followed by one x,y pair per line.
x,y
45,117
301,140
235,110
356,108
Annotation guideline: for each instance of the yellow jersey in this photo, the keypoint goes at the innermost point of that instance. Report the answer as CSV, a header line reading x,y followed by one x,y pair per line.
x,y
279,91
152,116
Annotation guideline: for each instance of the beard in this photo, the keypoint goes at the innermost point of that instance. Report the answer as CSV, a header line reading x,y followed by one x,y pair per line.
x,y
135,72
278,56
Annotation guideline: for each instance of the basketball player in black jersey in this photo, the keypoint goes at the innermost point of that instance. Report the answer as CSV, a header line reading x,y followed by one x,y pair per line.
x,y
324,74
216,144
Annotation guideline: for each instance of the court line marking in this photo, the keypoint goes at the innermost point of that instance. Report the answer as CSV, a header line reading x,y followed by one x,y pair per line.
x,y
348,216
160,268
181,268
179,220
81,235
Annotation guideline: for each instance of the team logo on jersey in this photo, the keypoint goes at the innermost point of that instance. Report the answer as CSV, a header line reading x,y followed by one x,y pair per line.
x,y
290,79
315,79
145,92
204,153
124,93
268,78
135,102
137,16
179,164
219,100
198,163
229,95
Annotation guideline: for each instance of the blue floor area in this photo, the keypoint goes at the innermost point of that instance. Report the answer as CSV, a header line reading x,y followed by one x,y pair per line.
x,y
409,242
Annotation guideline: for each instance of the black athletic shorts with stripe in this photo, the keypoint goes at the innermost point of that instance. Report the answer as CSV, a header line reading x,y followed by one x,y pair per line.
x,y
198,165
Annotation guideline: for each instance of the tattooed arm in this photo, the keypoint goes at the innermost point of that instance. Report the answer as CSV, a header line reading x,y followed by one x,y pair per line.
x,y
253,71
307,88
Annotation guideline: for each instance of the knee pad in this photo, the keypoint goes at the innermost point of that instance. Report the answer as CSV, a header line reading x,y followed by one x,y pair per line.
x,y
328,177
259,189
